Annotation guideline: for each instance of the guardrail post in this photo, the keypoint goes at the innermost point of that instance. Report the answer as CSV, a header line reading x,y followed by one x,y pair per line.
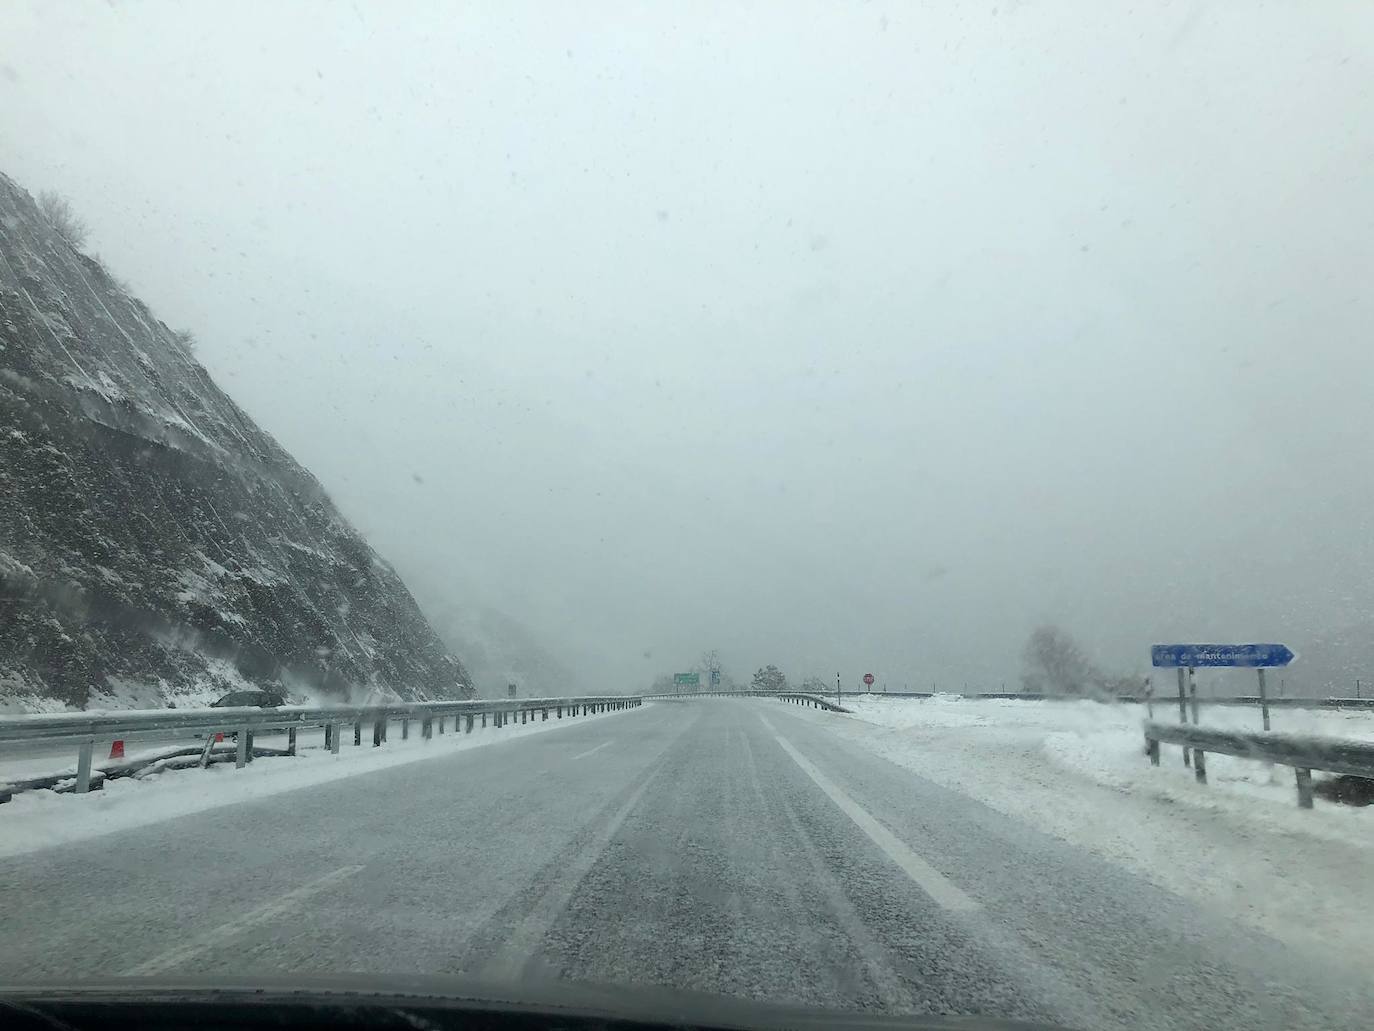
x,y
546,716
83,767
405,730
357,732
241,752
334,737
377,733
523,714
1304,788
469,723
291,741
560,711
441,724
484,717
329,737
1152,750
1200,765
249,735
427,728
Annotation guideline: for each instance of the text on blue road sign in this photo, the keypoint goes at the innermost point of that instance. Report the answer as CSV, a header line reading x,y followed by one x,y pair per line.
x,y
1247,655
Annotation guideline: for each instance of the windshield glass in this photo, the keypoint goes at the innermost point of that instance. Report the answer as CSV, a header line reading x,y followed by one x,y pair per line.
x,y
857,506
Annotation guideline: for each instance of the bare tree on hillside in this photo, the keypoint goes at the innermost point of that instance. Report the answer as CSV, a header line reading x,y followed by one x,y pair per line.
x,y
61,216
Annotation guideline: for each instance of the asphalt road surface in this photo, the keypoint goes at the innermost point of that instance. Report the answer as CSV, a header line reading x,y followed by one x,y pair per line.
x,y
724,846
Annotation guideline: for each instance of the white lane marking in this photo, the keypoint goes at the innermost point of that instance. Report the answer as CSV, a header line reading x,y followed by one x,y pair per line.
x,y
278,907
593,751
931,881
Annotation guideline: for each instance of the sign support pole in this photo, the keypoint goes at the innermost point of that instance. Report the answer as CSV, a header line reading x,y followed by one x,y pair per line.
x,y
1264,698
837,689
1183,716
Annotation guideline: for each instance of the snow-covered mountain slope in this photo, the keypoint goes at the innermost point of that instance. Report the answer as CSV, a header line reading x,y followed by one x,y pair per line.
x,y
500,650
155,544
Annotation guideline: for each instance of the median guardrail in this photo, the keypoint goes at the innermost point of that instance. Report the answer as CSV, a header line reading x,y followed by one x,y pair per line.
x,y
1302,752
84,729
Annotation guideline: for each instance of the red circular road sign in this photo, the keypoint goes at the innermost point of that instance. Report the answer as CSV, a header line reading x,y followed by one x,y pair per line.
x,y
868,679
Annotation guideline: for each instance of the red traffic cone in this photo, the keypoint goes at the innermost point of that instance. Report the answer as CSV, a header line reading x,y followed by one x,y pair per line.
x,y
117,749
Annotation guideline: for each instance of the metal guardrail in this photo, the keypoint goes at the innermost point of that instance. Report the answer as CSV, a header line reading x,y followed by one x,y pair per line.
x,y
1290,702
800,698
1302,752
815,701
84,729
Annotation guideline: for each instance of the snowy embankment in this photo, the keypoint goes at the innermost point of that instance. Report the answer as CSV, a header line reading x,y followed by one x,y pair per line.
x,y
1077,770
1103,742
39,819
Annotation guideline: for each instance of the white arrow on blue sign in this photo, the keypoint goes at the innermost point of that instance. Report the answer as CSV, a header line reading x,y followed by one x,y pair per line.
x,y
1249,656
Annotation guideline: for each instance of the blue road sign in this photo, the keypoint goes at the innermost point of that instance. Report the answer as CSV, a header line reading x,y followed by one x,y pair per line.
x,y
1248,655
715,678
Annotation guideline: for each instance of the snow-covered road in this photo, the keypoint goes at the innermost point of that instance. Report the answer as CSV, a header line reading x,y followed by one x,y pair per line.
x,y
739,847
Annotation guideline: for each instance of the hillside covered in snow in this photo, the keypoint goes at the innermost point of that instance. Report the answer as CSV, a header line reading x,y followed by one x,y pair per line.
x,y
499,650
155,545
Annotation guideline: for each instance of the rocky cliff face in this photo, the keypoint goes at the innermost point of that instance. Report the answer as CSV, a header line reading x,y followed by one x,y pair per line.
x,y
156,545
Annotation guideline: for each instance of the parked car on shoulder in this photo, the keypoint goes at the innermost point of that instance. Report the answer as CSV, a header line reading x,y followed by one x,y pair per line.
x,y
261,699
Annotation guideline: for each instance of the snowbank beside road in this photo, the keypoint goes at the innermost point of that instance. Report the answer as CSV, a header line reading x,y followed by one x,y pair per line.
x,y
958,711
1077,770
38,819
1103,742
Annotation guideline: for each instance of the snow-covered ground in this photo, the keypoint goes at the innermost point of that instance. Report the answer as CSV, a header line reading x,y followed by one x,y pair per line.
x,y
1103,742
1077,770
37,819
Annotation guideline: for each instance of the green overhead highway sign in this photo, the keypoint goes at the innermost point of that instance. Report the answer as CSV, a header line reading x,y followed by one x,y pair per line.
x,y
691,679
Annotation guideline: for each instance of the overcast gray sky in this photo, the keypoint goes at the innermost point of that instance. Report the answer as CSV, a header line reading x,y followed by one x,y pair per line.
x,y
840,336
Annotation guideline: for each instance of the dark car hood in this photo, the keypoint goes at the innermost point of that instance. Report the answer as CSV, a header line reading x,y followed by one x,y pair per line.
x,y
425,1002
